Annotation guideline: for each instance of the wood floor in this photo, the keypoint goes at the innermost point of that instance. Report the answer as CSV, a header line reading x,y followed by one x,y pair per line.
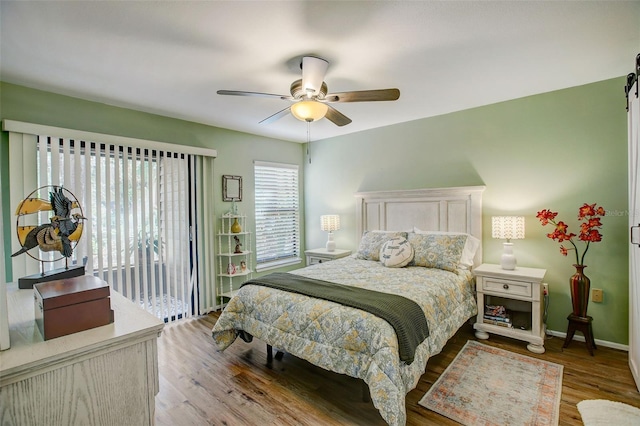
x,y
200,386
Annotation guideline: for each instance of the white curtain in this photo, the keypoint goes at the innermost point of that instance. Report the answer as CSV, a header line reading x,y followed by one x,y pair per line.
x,y
144,233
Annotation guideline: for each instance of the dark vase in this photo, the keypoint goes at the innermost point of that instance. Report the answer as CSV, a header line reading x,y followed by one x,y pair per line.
x,y
580,285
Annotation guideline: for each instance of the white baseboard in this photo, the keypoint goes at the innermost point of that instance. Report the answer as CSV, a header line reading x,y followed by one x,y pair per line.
x,y
599,342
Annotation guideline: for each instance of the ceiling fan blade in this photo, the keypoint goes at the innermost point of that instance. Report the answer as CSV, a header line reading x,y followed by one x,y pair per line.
x,y
364,96
336,117
242,93
313,72
278,115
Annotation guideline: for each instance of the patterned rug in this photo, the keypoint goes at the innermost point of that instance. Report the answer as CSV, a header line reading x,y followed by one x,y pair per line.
x,y
491,386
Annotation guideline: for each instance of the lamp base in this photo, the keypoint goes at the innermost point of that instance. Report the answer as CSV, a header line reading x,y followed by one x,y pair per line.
x,y
331,245
508,259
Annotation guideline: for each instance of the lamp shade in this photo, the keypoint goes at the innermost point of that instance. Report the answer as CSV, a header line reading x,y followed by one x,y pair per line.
x,y
309,110
507,227
330,222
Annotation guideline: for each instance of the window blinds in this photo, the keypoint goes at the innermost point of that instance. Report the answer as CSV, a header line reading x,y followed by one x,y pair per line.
x,y
277,215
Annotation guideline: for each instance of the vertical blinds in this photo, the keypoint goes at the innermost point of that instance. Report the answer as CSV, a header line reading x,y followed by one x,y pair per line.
x,y
277,214
142,207
136,202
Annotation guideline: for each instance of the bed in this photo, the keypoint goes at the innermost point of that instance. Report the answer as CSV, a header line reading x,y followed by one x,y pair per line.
x,y
442,229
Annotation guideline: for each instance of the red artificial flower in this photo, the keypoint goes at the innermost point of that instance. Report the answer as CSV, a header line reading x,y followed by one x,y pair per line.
x,y
593,222
590,214
545,216
592,236
586,210
561,227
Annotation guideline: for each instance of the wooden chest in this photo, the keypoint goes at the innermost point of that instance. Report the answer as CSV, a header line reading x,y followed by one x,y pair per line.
x,y
70,305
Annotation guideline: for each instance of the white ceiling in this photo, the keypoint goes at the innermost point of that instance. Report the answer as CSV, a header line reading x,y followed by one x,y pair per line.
x,y
170,57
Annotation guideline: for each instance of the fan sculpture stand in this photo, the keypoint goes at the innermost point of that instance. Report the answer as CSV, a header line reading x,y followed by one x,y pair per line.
x,y
55,274
61,233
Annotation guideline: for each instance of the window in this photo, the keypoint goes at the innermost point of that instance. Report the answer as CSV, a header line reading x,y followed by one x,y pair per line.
x,y
277,215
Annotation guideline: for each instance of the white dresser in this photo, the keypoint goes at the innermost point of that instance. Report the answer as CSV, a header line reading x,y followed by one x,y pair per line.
x,y
103,376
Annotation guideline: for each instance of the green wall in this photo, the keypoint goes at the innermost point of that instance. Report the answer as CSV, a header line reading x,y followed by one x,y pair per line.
x,y
236,150
555,150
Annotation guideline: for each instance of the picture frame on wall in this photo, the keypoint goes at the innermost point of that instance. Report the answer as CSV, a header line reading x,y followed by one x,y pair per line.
x,y
231,188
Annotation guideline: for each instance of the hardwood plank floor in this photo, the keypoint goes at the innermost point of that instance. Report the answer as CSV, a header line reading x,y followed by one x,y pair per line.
x,y
201,386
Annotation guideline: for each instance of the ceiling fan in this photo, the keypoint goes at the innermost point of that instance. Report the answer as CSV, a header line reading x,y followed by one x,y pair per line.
x,y
310,98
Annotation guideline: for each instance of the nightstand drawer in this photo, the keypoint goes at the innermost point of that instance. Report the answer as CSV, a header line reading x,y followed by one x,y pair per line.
x,y
506,287
313,260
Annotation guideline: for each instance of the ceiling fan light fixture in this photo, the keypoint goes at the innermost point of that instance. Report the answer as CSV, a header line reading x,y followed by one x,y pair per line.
x,y
309,110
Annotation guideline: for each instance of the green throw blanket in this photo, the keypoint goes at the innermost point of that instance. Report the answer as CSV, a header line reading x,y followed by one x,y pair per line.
x,y
404,315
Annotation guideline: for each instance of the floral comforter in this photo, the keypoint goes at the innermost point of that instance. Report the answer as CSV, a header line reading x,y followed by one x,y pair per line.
x,y
350,341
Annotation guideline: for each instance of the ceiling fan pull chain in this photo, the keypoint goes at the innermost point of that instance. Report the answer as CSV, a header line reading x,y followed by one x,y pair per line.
x,y
309,140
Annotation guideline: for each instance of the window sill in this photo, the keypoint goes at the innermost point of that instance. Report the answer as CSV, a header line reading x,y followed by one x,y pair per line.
x,y
277,264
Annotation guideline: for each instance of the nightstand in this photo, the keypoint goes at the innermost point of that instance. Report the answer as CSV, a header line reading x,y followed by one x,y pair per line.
x,y
521,292
321,255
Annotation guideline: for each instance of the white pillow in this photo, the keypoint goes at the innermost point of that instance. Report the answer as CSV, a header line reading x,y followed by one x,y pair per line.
x,y
396,253
372,241
470,248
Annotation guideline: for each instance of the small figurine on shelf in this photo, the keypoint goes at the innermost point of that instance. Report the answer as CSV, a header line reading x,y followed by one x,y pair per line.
x,y
231,269
238,244
243,266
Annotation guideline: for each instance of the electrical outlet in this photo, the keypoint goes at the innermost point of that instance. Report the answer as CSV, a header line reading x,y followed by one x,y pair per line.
x,y
597,295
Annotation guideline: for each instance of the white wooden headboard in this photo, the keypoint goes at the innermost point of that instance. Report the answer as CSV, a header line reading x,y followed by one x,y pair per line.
x,y
455,209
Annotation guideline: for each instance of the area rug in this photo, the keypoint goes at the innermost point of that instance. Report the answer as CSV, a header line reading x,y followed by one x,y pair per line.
x,y
600,412
491,386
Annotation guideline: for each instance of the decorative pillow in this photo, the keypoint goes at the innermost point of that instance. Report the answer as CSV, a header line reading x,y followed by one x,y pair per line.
x,y
470,248
372,241
396,253
442,251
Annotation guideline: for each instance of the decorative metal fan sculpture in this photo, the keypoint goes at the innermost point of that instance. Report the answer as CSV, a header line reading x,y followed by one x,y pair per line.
x,y
310,95
60,234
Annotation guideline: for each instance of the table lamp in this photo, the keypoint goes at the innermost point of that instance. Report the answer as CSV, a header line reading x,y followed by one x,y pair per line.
x,y
330,223
509,228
